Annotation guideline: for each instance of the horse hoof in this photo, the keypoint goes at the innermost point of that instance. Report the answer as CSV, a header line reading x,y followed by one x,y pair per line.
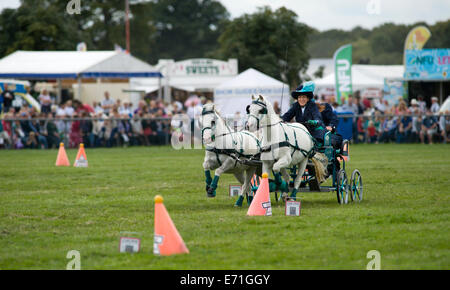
x,y
211,192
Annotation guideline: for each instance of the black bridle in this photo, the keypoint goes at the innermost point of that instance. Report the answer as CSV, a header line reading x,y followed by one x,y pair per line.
x,y
212,128
262,111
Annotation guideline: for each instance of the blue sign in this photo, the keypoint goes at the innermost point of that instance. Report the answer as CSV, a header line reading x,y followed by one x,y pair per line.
x,y
394,90
427,64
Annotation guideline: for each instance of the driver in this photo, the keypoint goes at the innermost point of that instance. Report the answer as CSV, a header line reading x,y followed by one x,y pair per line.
x,y
305,111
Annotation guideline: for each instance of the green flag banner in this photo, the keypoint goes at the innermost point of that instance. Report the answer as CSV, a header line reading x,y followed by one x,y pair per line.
x,y
343,72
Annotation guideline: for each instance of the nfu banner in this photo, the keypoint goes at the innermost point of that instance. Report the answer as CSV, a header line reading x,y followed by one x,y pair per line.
x,y
427,64
343,71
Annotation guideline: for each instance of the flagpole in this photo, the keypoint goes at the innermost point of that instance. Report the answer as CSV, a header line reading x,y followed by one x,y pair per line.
x,y
127,25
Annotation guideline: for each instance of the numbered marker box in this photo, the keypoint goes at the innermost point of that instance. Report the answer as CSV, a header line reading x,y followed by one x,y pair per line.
x,y
129,245
293,208
234,190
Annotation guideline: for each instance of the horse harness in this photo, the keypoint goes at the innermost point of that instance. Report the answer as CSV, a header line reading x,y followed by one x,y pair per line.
x,y
286,143
229,152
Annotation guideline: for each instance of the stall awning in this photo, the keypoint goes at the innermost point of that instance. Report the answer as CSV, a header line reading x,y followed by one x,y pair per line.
x,y
74,64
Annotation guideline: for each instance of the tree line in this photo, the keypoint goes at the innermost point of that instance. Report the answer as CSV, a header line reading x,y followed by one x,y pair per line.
x,y
275,42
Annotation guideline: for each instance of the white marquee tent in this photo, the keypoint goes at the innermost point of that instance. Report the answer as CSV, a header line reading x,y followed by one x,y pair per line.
x,y
73,64
235,94
364,78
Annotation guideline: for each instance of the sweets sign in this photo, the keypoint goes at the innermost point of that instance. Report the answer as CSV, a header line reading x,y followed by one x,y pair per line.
x,y
204,67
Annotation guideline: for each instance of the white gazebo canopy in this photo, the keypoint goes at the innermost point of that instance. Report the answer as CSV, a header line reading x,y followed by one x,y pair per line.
x,y
235,94
73,64
366,76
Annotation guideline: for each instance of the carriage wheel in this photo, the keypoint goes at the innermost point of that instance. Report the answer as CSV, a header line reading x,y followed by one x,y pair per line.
x,y
356,186
342,187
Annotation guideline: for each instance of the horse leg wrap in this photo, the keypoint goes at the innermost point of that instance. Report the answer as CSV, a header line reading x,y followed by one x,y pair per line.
x,y
212,188
272,186
278,179
280,183
293,194
208,179
239,201
249,199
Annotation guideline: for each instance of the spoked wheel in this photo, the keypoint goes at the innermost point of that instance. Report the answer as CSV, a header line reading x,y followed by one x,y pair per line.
x,y
356,186
342,187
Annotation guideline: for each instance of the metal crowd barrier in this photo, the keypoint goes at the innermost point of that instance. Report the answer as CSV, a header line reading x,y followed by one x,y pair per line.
x,y
168,129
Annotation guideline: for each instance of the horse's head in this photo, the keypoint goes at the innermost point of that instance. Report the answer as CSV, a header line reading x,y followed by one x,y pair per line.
x,y
258,112
208,123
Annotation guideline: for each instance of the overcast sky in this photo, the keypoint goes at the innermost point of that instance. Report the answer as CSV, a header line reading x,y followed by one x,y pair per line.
x,y
343,14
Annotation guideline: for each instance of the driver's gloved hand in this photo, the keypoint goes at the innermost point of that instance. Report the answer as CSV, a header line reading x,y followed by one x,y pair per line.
x,y
312,122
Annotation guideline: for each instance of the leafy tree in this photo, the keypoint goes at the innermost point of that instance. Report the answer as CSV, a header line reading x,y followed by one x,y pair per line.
x,y
36,25
262,40
440,35
383,44
186,28
319,72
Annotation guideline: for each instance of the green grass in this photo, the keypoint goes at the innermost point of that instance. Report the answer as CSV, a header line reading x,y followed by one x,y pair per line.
x,y
47,211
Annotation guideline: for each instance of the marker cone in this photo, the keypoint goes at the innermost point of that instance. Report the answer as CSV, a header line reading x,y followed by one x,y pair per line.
x,y
62,159
261,202
167,240
81,160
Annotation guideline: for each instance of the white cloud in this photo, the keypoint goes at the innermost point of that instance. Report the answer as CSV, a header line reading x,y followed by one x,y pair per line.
x,y
9,4
346,14
342,14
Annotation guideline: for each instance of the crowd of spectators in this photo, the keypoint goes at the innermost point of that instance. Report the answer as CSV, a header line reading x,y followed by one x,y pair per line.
x,y
382,122
107,123
112,123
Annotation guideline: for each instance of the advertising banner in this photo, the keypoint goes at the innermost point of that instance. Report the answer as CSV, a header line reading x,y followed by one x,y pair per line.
x,y
343,71
427,64
416,39
393,91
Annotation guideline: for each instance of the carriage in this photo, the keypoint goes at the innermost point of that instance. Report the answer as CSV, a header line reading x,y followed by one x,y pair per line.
x,y
288,147
343,187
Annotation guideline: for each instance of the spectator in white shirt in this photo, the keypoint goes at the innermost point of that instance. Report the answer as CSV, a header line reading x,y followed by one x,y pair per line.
x,y
69,109
422,104
107,104
125,110
434,105
414,106
45,101
382,106
97,108
61,114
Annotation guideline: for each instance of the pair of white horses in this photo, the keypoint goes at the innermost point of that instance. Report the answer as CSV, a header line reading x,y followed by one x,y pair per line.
x,y
280,145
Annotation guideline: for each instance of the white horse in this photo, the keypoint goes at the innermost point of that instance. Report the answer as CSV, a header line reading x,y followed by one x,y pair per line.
x,y
224,151
283,145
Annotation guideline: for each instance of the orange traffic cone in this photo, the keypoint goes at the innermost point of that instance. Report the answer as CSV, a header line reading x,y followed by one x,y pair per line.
x,y
167,239
261,202
62,159
81,160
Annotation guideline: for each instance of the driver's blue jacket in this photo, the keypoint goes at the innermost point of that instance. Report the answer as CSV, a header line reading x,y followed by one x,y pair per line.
x,y
311,113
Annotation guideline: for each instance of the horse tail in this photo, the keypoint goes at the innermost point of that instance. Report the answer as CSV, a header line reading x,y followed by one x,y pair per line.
x,y
321,171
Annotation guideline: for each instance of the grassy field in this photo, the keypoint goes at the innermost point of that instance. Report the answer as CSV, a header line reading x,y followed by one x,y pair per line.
x,y
47,211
